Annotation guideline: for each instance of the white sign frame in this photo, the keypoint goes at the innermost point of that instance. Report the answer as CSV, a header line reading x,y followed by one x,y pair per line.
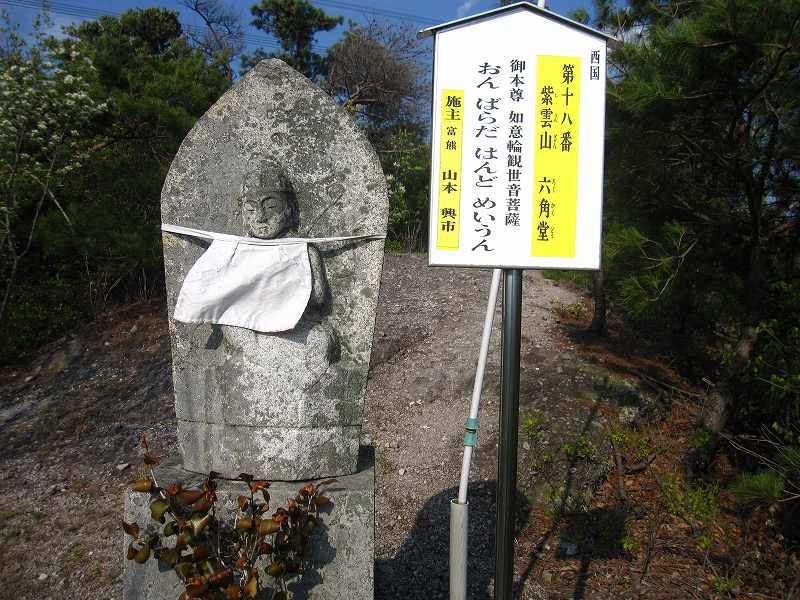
x,y
496,39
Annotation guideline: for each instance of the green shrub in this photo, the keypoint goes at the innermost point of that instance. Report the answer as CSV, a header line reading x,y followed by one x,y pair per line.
x,y
582,449
582,279
38,313
701,439
758,489
693,504
634,442
532,428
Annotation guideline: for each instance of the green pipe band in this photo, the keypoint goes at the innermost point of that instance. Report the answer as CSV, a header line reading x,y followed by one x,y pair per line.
x,y
471,435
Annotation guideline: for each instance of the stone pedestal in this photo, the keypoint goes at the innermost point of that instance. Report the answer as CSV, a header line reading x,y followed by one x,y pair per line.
x,y
342,557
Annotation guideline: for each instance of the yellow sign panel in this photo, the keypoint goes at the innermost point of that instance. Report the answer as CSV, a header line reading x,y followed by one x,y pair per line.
x,y
555,156
450,177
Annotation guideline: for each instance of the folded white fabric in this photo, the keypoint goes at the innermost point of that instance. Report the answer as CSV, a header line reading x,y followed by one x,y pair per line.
x,y
263,285
263,288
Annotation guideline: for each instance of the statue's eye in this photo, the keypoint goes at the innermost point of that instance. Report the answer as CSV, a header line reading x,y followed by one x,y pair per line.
x,y
271,202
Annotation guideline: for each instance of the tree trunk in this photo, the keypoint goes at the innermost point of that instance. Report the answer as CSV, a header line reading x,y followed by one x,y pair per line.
x,y
599,324
724,397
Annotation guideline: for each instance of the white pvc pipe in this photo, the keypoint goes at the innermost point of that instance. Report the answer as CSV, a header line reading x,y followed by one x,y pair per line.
x,y
478,386
459,517
459,525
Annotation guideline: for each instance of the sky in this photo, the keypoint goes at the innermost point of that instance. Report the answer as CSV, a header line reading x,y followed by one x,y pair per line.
x,y
416,14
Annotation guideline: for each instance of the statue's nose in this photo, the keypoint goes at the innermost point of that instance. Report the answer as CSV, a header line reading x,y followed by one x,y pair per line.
x,y
264,211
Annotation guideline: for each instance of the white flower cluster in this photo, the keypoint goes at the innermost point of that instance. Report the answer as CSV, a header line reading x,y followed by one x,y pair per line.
x,y
45,112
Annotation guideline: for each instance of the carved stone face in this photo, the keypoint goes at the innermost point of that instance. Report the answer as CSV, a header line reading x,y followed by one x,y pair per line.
x,y
269,206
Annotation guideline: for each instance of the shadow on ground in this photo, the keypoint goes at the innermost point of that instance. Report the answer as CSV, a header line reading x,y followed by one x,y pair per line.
x,y
419,569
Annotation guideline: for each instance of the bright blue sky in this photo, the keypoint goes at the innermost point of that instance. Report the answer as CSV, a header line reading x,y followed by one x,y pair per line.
x,y
420,13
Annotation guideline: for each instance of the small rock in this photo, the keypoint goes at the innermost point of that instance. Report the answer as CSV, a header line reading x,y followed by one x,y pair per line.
x,y
628,415
402,472
42,576
133,330
559,369
29,378
526,446
568,548
106,343
74,348
122,466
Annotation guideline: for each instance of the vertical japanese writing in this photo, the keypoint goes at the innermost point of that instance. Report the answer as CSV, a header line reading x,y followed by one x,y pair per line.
x,y
450,177
556,156
516,142
486,142
594,66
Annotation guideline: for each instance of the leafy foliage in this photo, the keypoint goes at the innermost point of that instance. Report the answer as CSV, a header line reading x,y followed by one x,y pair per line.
x,y
376,71
758,489
406,163
632,442
45,115
226,561
582,449
100,114
294,23
703,193
694,504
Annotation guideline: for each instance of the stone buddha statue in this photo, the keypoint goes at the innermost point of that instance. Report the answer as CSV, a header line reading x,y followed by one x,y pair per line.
x,y
270,211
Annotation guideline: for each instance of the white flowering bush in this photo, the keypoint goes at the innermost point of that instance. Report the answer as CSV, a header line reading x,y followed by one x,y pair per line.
x,y
46,116
407,184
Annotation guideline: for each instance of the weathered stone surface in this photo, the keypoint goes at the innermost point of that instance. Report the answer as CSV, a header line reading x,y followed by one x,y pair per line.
x,y
280,406
341,562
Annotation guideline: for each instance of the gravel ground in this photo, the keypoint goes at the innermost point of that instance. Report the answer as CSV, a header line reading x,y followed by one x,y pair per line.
x,y
71,420
426,347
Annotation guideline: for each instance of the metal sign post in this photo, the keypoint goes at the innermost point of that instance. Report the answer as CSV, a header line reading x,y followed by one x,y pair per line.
x,y
509,419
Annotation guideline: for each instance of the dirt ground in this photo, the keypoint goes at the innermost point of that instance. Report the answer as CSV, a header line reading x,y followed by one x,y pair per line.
x,y
71,421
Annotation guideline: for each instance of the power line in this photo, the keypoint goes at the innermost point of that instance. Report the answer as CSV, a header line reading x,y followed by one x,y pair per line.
x,y
250,40
85,12
393,14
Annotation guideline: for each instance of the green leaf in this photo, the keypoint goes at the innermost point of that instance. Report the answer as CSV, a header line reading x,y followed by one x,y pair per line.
x,y
157,509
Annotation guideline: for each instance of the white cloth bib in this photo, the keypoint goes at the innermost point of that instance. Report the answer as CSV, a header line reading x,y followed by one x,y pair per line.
x,y
263,288
263,285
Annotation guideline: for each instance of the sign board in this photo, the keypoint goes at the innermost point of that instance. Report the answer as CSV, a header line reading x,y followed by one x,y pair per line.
x,y
517,141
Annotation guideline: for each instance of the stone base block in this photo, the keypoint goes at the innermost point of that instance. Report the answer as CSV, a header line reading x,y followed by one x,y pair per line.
x,y
269,452
341,562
